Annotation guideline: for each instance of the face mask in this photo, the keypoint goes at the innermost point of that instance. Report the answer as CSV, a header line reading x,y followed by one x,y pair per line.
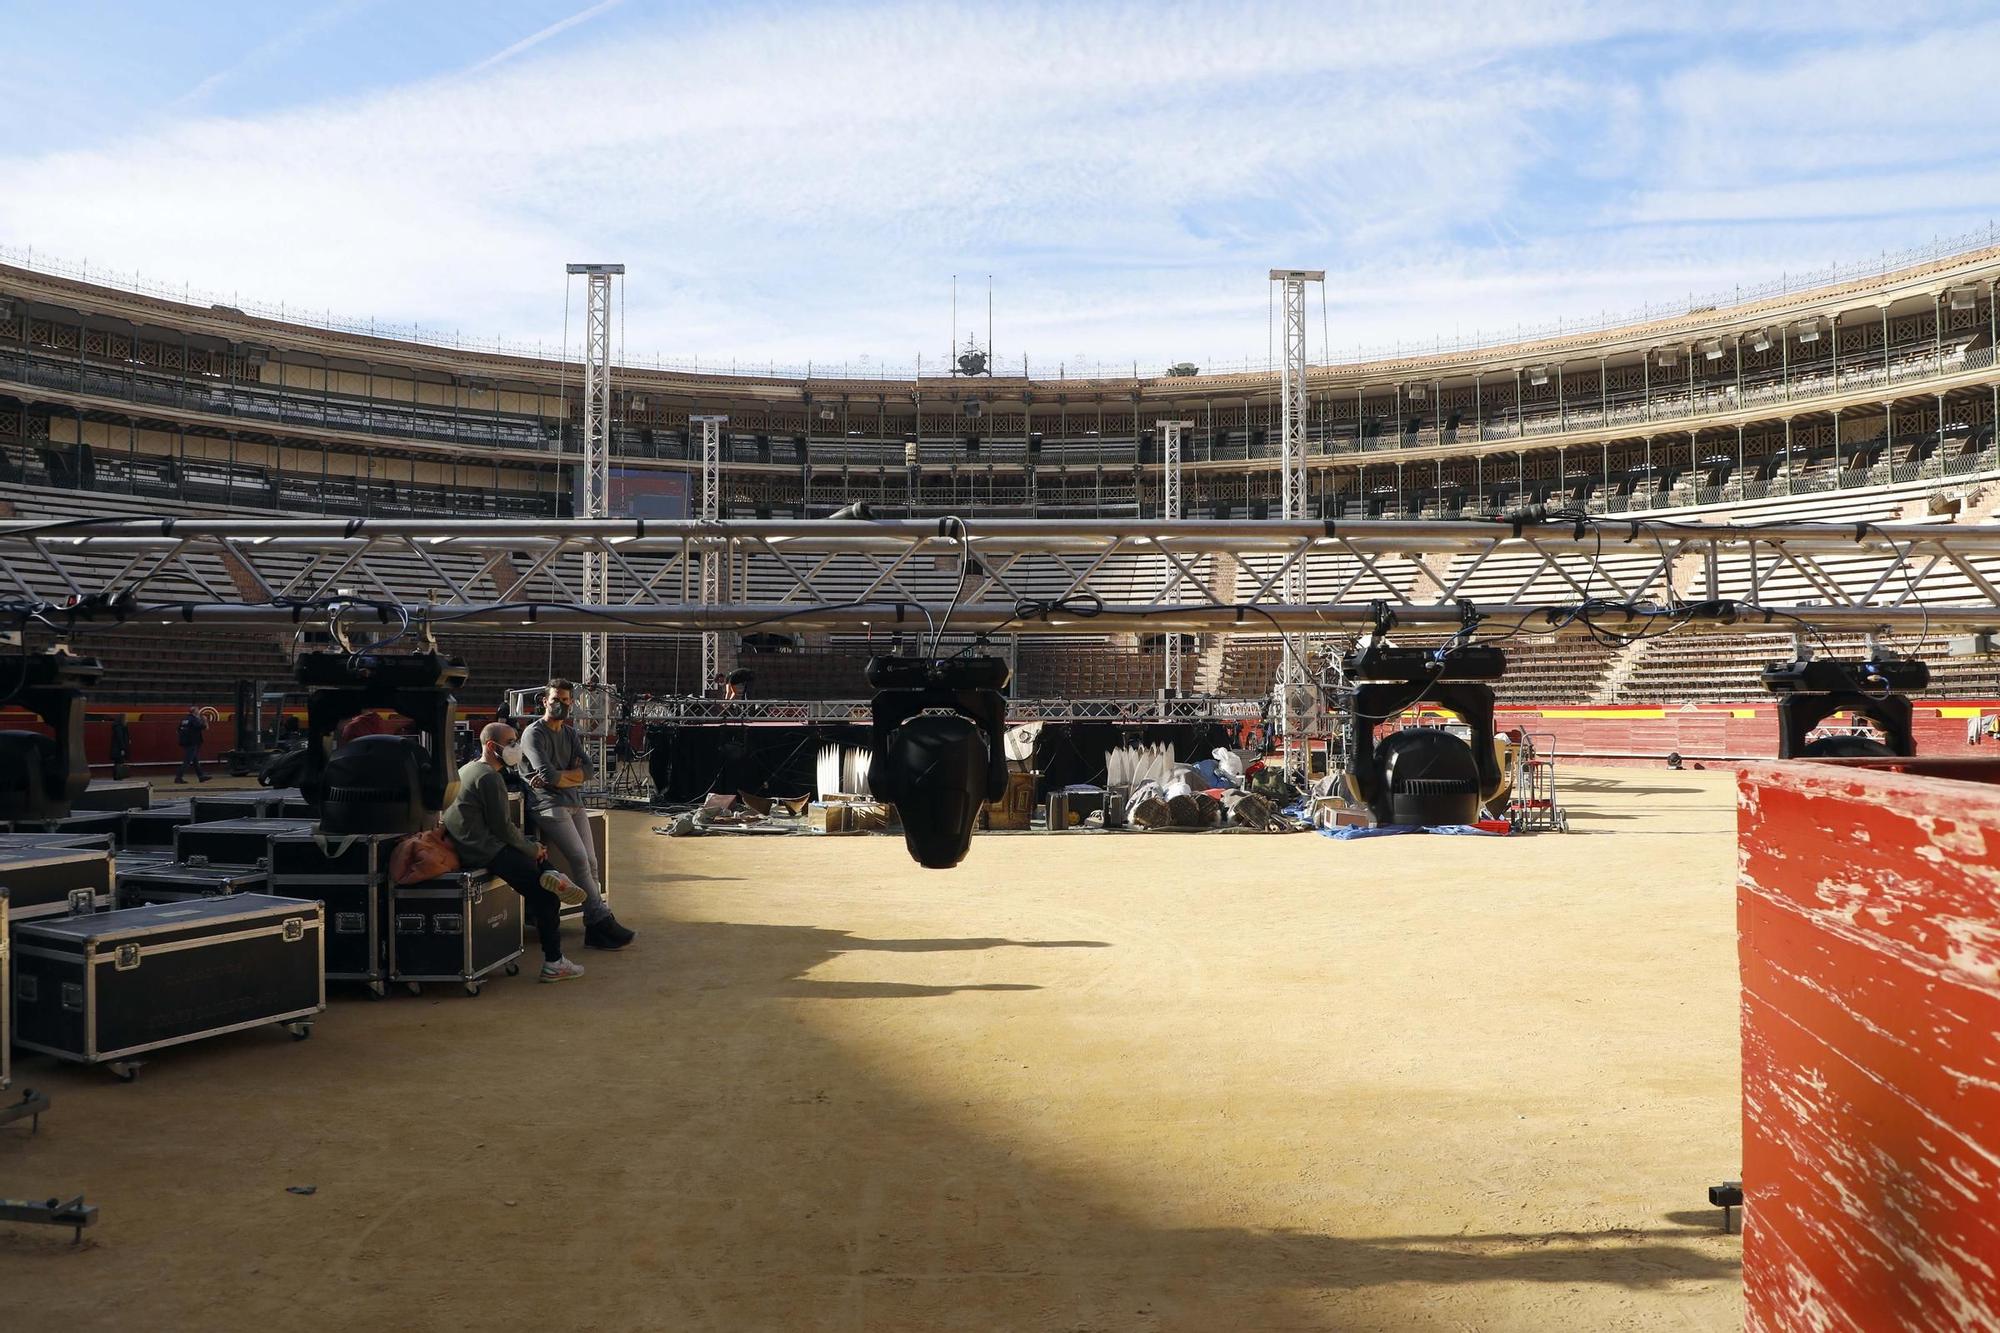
x,y
510,755
557,709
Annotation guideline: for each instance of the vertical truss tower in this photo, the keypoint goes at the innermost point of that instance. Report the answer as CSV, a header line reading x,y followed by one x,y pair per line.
x,y
1171,437
596,663
1293,679
711,557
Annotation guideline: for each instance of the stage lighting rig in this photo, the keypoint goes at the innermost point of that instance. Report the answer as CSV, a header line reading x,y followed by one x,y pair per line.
x,y
41,776
939,748
1810,690
1423,776
379,784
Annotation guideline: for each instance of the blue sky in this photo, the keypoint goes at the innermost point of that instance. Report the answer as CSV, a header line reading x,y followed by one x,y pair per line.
x,y
794,182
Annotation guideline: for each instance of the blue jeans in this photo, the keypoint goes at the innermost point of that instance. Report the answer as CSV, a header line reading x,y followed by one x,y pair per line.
x,y
190,762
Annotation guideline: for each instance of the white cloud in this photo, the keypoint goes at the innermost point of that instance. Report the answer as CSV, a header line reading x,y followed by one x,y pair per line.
x,y
785,187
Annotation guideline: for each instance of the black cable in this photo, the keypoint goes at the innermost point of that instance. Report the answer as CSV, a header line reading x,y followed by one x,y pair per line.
x,y
964,562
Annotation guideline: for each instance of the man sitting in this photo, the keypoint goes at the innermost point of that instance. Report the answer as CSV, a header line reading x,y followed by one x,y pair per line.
x,y
488,840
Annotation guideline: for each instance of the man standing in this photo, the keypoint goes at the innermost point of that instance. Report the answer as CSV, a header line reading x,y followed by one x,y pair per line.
x,y
192,729
121,745
556,766
487,840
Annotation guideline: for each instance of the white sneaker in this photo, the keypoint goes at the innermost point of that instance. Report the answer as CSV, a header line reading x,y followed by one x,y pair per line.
x,y
567,891
562,969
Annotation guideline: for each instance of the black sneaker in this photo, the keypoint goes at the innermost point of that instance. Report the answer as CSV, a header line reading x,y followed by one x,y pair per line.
x,y
606,934
618,928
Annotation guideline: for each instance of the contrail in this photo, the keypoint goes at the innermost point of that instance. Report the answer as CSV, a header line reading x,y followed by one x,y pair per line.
x,y
537,38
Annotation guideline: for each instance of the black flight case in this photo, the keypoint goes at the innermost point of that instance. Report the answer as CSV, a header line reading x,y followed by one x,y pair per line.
x,y
115,794
460,927
154,826
52,881
145,885
350,876
107,987
76,842
110,824
233,842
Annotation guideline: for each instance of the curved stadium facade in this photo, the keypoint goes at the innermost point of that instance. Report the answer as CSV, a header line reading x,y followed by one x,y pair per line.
x,y
1867,399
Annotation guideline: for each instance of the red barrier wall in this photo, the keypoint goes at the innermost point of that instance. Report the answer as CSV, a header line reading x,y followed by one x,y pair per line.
x,y
1716,733
1868,911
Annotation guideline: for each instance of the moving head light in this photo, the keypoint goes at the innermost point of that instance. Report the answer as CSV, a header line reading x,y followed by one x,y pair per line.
x,y
379,784
938,748
1810,690
41,776
1422,775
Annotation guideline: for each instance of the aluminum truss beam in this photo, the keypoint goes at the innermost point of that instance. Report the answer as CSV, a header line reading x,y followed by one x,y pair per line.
x,y
1834,576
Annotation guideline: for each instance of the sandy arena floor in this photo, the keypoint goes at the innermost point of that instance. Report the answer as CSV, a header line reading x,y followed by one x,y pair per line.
x,y
1083,1083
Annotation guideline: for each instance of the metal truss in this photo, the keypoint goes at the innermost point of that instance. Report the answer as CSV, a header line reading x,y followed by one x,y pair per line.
x,y
1172,433
1292,455
1085,576
689,711
596,650
711,560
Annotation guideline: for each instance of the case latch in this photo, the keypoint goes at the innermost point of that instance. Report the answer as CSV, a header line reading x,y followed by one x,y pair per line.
x,y
82,902
295,929
126,958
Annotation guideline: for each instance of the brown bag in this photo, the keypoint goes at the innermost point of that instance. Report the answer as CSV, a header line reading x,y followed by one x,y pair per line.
x,y
423,856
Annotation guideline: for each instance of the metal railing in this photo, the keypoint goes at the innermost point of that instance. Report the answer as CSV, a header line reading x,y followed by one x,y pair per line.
x,y
866,368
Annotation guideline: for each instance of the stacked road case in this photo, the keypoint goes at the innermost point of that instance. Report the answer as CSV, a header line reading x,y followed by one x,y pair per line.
x,y
145,885
52,881
350,876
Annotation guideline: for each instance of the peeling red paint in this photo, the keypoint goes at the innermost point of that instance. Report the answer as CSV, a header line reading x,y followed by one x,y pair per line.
x,y
1868,911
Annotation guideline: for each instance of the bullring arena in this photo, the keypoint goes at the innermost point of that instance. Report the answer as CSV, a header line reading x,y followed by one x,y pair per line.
x,y
1683,627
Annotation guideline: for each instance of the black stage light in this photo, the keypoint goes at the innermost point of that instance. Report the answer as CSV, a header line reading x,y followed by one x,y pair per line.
x,y
1428,777
1810,690
1423,775
379,784
938,753
41,776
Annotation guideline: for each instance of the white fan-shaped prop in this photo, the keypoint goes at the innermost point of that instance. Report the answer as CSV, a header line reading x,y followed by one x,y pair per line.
x,y
1019,742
